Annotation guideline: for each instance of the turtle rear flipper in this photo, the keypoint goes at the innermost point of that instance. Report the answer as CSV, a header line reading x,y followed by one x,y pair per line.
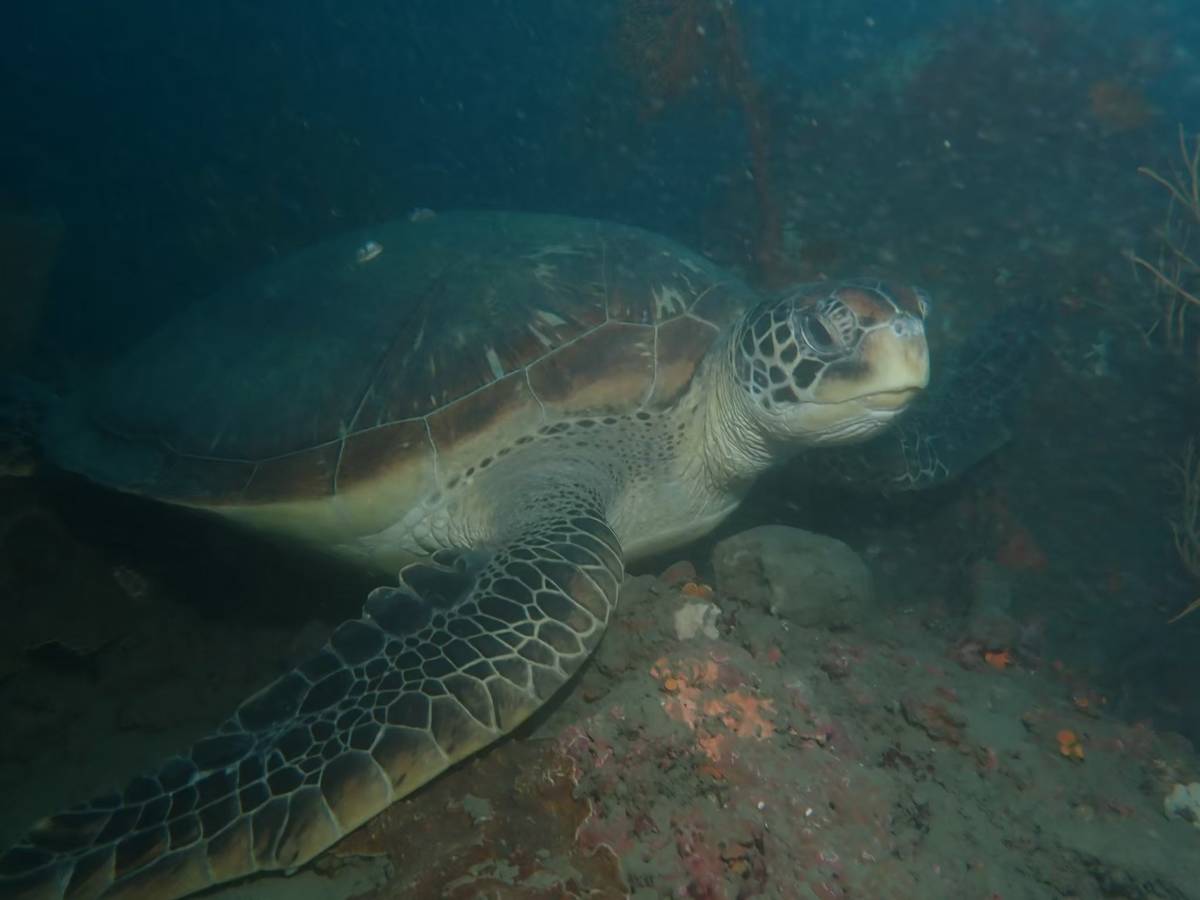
x,y
466,647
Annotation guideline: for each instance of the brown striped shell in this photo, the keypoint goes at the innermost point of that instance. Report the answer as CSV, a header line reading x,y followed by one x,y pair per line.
x,y
352,360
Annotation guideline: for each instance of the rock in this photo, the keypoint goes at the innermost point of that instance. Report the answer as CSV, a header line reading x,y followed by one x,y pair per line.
x,y
807,579
1184,803
697,617
678,573
477,808
989,621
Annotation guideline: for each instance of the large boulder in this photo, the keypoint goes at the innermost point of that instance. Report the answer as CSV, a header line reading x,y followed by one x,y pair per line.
x,y
807,579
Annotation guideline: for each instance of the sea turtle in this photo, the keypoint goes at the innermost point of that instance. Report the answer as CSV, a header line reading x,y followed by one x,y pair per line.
x,y
508,406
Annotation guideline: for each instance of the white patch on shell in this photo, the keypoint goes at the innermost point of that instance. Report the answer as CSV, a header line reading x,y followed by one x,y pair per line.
x,y
550,318
493,361
668,301
556,250
544,273
368,252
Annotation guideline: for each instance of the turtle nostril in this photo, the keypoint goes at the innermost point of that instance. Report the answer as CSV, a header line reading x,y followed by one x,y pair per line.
x,y
908,326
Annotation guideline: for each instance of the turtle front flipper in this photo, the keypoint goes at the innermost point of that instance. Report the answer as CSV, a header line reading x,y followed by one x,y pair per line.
x,y
466,647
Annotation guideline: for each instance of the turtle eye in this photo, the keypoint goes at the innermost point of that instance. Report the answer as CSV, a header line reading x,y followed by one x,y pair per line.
x,y
816,335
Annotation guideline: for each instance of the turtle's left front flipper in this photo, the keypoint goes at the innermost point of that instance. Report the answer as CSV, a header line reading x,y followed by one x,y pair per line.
x,y
460,653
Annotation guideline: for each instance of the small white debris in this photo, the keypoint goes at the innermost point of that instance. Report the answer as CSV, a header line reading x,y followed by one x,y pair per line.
x,y
761,805
368,252
808,812
132,582
1184,803
493,361
421,214
697,618
478,809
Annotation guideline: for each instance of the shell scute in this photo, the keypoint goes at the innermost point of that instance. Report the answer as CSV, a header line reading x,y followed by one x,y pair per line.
x,y
609,370
319,375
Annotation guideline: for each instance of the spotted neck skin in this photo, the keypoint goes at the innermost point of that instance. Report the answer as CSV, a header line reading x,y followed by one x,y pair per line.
x,y
724,425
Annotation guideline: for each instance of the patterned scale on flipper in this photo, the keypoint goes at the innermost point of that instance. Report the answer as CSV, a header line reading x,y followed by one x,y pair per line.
x,y
467,646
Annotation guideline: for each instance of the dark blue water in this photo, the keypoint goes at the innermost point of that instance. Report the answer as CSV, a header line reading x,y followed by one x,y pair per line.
x,y
182,144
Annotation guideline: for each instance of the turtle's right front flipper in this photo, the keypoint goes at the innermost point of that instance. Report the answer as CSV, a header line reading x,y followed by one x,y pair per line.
x,y
460,653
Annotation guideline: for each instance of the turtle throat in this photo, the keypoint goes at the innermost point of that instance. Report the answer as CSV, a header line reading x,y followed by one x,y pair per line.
x,y
722,424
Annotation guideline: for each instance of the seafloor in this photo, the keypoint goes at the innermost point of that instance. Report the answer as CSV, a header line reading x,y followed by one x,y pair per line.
x,y
787,721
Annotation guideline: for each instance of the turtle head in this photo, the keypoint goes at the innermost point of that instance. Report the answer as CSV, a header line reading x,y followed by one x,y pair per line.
x,y
833,362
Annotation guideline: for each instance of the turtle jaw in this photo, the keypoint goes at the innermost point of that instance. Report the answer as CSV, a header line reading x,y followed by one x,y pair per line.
x,y
891,401
849,421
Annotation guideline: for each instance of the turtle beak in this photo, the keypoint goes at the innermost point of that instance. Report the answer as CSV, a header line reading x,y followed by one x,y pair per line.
x,y
898,359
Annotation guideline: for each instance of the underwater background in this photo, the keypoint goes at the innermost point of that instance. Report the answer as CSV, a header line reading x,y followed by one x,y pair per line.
x,y
996,153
